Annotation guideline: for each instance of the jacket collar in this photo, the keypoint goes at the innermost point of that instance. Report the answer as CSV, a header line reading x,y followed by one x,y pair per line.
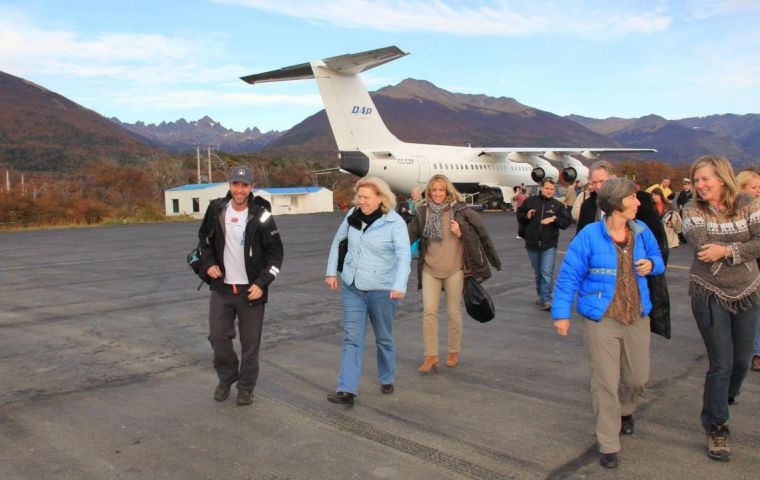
x,y
634,225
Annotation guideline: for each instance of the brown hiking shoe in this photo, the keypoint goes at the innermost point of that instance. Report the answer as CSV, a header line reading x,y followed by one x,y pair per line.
x,y
717,442
756,362
221,392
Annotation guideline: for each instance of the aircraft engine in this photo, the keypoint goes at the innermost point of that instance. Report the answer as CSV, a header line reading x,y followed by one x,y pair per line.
x,y
569,174
537,174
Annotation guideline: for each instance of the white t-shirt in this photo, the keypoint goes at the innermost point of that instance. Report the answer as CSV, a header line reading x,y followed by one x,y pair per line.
x,y
234,246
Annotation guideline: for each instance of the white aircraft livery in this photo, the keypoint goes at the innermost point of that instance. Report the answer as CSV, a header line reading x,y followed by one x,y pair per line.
x,y
367,147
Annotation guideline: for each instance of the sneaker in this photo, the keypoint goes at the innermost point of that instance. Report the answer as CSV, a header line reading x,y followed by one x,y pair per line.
x,y
732,401
546,306
245,397
608,460
222,392
756,362
717,442
344,398
387,388
626,425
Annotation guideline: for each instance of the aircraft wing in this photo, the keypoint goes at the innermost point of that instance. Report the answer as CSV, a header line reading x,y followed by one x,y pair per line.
x,y
515,154
345,64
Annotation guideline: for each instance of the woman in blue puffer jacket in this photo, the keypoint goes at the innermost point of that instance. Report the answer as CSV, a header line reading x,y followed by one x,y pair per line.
x,y
606,266
374,277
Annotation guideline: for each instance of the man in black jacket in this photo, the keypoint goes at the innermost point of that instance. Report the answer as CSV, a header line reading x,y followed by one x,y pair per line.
x,y
241,253
659,295
541,218
598,173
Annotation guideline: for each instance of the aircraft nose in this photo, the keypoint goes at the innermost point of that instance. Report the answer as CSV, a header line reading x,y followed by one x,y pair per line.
x,y
354,162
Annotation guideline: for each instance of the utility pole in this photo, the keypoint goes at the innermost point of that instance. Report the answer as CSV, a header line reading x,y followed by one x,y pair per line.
x,y
209,164
198,161
23,186
7,180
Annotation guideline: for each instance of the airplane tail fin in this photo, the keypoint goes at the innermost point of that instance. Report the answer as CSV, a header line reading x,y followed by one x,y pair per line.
x,y
354,119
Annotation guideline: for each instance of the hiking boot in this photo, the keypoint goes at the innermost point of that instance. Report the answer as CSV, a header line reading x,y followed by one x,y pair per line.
x,y
546,306
717,442
344,398
608,460
387,388
756,362
222,392
245,397
626,425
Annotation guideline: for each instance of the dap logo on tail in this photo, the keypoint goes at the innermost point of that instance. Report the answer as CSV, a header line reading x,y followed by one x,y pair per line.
x,y
357,110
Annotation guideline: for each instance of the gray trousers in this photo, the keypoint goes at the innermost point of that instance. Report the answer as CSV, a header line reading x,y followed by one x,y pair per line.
x,y
223,308
619,356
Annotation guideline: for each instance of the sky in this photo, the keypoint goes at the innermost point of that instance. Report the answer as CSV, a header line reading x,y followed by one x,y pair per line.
x,y
162,60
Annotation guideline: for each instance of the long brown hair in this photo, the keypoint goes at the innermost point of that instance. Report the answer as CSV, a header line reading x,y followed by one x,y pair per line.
x,y
451,191
725,173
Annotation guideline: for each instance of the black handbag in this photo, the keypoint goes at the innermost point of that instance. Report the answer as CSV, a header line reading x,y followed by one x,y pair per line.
x,y
342,251
659,316
477,301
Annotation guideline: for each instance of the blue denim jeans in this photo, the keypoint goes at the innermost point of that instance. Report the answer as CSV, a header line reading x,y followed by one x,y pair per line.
x,y
358,305
728,338
542,262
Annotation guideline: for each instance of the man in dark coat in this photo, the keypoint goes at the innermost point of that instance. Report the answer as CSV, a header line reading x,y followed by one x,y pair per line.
x,y
598,173
541,218
658,289
241,255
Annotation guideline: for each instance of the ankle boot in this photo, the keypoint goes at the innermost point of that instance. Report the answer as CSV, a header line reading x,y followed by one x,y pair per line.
x,y
452,359
430,362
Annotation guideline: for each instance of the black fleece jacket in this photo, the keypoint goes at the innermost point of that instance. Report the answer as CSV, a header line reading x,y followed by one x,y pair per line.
x,y
538,236
263,246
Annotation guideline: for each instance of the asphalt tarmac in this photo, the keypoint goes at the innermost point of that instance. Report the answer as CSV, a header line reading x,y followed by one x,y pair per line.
x,y
106,374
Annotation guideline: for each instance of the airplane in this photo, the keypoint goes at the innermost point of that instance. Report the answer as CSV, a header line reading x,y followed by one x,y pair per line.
x,y
367,147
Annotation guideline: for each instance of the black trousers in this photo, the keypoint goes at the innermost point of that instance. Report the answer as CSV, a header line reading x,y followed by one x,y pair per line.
x,y
223,309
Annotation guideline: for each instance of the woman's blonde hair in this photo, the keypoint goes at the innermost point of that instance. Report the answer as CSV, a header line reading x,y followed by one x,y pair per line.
x,y
725,173
745,177
387,198
451,192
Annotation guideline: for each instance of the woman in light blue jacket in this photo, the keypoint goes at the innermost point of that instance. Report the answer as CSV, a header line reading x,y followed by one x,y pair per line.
x,y
374,277
606,266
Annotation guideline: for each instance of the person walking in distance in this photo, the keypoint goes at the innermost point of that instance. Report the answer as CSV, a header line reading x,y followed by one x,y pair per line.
x,y
542,216
241,253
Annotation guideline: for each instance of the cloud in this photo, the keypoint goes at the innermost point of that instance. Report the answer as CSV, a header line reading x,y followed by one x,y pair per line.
x,y
27,48
703,9
494,18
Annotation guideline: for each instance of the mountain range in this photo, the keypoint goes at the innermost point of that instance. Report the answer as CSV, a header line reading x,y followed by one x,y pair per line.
x,y
41,130
736,137
183,136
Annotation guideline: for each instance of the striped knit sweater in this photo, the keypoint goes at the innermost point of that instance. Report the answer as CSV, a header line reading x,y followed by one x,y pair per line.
x,y
735,280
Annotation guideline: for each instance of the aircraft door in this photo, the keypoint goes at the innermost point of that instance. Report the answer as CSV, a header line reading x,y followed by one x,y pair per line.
x,y
424,164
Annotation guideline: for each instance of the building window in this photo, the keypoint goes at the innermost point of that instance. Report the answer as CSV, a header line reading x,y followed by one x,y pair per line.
x,y
175,205
196,205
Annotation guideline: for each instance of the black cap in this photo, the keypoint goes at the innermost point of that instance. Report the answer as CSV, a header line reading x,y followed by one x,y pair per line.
x,y
241,173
